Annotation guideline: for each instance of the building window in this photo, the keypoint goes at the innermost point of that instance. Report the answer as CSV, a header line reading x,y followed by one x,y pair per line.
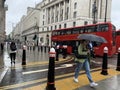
x,y
101,9
75,14
61,15
65,25
85,22
43,16
47,28
67,13
59,26
75,5
67,1
52,19
43,10
55,27
52,14
51,28
74,24
42,29
43,22
57,13
48,15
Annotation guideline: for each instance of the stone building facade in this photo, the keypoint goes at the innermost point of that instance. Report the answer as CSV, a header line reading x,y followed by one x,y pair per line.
x,y
49,15
2,20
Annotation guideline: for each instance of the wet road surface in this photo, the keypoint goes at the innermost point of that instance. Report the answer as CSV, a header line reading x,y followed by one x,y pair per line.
x,y
34,74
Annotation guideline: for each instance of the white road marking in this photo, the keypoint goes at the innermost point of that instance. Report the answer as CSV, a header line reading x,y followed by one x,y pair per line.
x,y
3,74
36,71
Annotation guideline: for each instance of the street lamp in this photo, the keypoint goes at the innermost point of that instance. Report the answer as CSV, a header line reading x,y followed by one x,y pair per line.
x,y
94,11
105,11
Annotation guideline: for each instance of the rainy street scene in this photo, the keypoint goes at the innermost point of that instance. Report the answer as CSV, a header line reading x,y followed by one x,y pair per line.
x,y
59,45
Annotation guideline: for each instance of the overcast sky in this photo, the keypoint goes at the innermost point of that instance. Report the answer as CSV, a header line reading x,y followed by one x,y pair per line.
x,y
18,8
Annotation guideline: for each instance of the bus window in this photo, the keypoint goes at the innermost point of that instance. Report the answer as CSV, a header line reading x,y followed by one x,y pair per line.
x,y
75,31
113,27
96,44
103,27
68,32
117,33
54,33
114,34
96,28
63,32
81,30
58,33
90,29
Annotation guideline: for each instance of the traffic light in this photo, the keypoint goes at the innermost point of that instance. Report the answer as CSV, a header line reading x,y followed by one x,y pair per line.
x,y
35,36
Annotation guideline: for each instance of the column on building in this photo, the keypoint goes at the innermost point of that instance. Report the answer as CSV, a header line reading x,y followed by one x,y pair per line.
x,y
52,14
61,11
99,8
66,9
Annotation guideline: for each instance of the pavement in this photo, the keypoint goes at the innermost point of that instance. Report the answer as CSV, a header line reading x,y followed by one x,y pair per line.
x,y
63,80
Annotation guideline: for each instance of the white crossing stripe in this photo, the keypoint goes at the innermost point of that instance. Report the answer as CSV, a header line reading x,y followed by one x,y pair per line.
x,y
36,71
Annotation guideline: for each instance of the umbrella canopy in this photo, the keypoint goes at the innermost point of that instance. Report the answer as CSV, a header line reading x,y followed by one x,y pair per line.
x,y
92,37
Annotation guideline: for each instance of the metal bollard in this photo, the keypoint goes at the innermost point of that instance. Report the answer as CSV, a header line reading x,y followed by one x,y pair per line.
x,y
24,55
57,53
45,48
51,70
64,51
38,48
41,48
48,48
118,60
105,61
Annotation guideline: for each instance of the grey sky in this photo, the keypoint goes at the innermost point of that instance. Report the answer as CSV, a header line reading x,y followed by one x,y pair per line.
x,y
18,8
115,14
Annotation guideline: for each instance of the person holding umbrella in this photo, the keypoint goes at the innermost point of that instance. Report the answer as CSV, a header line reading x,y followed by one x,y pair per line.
x,y
82,61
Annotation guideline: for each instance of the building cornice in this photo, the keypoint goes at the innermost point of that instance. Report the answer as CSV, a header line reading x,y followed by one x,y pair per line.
x,y
52,3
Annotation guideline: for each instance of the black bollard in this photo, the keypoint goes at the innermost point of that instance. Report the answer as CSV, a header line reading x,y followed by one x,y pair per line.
x,y
41,48
64,51
34,47
51,70
45,48
48,48
30,47
24,55
118,60
105,62
38,48
57,53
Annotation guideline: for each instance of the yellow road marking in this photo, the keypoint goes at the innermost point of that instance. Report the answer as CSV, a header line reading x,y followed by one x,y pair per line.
x,y
68,84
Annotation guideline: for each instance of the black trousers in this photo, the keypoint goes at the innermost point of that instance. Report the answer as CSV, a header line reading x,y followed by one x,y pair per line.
x,y
12,57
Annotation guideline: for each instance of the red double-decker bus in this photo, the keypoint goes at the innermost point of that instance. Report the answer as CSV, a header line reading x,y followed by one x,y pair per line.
x,y
117,39
68,36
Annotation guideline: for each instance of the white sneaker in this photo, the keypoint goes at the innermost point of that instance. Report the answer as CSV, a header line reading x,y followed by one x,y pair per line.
x,y
76,80
93,84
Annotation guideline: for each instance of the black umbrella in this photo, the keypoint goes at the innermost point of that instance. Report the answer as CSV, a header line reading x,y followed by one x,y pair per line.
x,y
92,37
